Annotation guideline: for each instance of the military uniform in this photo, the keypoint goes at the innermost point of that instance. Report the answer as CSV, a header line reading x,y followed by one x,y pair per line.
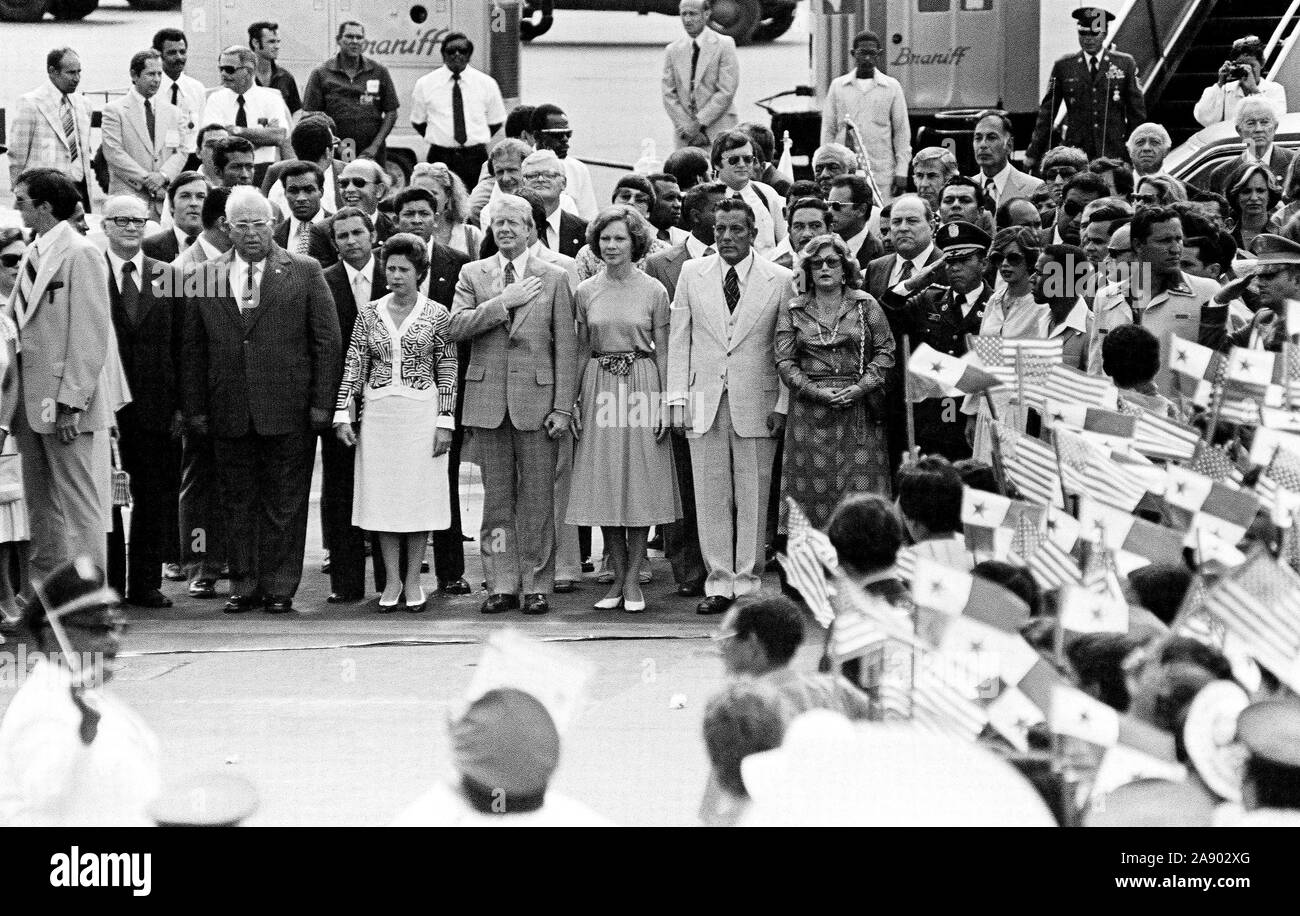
x,y
1100,112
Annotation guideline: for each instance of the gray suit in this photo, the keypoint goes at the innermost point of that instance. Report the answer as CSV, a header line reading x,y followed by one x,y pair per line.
x,y
1018,184
130,154
722,368
710,100
522,366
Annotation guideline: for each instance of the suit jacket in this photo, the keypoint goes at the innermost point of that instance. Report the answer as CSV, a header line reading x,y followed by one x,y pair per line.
x,y
711,100
444,270
191,257
878,272
150,346
130,154
710,350
666,266
345,302
266,377
1099,114
36,137
64,336
1018,184
523,360
1279,161
319,244
162,246
573,235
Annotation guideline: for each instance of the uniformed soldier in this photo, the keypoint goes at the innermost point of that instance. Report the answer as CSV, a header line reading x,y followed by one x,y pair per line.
x,y
1269,733
942,316
1100,90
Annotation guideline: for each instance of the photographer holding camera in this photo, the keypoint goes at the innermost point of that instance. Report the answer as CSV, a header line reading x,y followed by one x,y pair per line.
x,y
1239,78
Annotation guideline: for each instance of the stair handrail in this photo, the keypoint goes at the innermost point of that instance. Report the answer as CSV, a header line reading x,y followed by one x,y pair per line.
x,y
1288,46
1190,10
1285,28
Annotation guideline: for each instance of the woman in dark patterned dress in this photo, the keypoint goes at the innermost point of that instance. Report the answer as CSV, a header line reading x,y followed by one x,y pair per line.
x,y
834,350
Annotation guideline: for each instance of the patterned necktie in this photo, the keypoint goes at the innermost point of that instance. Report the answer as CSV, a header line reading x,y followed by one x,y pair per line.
x,y
458,111
695,59
69,127
149,120
176,93
241,116
508,275
906,273
300,241
130,293
991,192
26,280
731,289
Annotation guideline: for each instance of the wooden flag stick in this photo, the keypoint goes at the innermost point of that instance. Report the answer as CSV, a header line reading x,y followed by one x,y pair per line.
x,y
1060,476
999,469
1021,410
907,399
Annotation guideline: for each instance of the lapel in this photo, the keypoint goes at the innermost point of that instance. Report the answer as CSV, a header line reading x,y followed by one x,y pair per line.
x,y
51,261
48,103
273,275
752,299
224,272
713,307
149,292
708,51
134,111
521,313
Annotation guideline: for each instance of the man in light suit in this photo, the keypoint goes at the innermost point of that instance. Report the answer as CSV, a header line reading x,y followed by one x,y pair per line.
x,y
681,538
142,138
51,128
61,307
517,313
999,179
701,74
261,370
726,396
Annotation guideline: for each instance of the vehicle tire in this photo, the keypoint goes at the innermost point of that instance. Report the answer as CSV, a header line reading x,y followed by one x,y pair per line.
x,y
23,10
154,6
736,18
72,9
774,28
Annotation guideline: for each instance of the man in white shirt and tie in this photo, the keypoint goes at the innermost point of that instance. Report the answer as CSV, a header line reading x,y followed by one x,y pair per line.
x,y
1000,180
256,113
178,87
457,109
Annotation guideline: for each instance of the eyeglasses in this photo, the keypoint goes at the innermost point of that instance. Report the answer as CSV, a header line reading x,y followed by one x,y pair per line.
x,y
1072,208
831,260
127,222
251,225
458,51
738,160
839,206
548,176
354,182
228,70
1014,259
10,260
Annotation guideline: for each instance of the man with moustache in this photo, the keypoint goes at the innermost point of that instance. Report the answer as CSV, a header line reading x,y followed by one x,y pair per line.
x,y
809,218
179,88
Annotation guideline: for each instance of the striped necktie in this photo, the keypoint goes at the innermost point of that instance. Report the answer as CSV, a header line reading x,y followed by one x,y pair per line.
x,y
26,280
69,127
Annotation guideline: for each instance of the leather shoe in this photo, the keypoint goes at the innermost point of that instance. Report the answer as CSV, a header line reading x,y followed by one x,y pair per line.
x,y
278,604
172,572
564,586
241,604
499,604
203,588
691,590
454,587
714,604
341,598
536,604
151,598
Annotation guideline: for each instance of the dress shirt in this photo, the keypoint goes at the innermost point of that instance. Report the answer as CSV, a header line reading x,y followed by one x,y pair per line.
x,y
552,229
697,249
743,268
918,265
296,226
260,104
999,180
431,106
969,302
1220,103
360,280
521,264
855,244
117,263
239,278
190,99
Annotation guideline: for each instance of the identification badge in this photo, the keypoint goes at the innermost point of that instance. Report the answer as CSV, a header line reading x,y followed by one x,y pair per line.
x,y
366,98
172,138
372,87
1178,316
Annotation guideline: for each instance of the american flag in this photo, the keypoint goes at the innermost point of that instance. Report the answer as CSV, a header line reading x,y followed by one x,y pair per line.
x,y
940,706
807,550
1053,567
1213,462
1160,437
1070,386
1030,465
1088,472
1024,543
998,356
1259,603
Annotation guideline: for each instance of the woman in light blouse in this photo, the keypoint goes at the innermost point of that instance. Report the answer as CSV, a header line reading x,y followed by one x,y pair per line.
x,y
452,207
399,381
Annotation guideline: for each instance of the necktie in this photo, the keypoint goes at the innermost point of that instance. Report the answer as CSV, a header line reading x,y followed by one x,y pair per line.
x,y
69,127
731,289
249,300
458,111
1092,68
508,275
176,93
241,116
130,292
149,119
189,240
991,192
906,273
545,236
26,280
695,59
361,289
301,239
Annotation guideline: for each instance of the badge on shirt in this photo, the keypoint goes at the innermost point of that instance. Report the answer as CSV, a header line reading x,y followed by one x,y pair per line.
x,y
1179,316
372,87
172,138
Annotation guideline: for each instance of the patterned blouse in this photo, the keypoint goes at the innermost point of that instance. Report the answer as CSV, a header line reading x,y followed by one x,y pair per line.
x,y
807,348
428,358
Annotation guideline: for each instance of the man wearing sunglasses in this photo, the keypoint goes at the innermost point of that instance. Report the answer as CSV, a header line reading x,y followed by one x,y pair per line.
x,y
357,92
1079,191
249,111
734,161
548,128
456,109
875,104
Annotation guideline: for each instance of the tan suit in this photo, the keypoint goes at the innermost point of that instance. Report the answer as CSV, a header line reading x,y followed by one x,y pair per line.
x,y
130,154
711,99
722,367
522,365
36,137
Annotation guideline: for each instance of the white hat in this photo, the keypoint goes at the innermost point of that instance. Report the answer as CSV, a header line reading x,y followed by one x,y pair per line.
x,y
1209,736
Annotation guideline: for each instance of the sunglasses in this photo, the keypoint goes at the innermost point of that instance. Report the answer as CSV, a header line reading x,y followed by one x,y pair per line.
x,y
354,182
1061,172
839,206
828,261
557,133
127,222
738,160
1072,208
10,260
458,51
227,70
1013,259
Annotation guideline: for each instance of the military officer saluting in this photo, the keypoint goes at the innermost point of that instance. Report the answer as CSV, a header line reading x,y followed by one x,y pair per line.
x,y
1100,90
942,316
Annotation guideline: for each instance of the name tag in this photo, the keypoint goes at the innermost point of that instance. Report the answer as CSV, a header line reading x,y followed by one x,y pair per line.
x,y
372,87
172,138
1180,316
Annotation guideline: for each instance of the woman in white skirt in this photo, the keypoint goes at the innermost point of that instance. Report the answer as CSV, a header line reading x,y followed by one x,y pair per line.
x,y
13,508
399,383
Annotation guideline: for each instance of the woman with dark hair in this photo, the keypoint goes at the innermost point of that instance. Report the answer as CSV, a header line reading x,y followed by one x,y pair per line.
x,y
633,191
834,351
401,368
623,465
1253,195
13,508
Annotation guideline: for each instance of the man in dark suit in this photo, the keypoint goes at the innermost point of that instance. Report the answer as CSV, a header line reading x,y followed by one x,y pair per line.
x,y
185,197
1257,126
1100,89
305,231
261,372
147,319
942,316
415,209
681,538
357,277
543,174
910,219
851,201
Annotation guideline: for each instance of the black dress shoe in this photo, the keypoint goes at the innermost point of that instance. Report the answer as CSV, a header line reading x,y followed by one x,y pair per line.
x,y
342,598
588,566
499,604
564,586
536,604
691,590
203,588
151,598
454,587
714,604
241,604
278,604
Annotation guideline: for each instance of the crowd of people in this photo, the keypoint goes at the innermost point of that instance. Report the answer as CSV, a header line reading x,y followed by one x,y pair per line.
x,y
731,357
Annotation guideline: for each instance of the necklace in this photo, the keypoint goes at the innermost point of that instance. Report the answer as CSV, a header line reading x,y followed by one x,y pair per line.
x,y
826,341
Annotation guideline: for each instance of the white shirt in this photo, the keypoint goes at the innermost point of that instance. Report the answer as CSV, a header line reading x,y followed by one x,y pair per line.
x,y
742,269
918,265
578,186
190,100
767,214
855,244
1220,103
431,105
260,102
295,227
116,263
552,229
327,201
971,297
697,249
239,280
999,180
521,264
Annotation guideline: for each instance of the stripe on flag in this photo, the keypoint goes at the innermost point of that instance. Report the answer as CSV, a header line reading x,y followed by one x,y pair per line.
x,y
1259,602
1070,386
998,356
1088,472
1160,437
1030,465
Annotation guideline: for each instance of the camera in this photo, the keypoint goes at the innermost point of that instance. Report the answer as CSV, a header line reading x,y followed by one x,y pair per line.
x,y
1237,71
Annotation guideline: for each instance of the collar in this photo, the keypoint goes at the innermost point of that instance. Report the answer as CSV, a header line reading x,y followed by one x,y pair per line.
x,y
1076,320
855,244
521,263
133,93
1262,160
999,180
46,241
742,267
352,273
182,235
972,299
137,260
554,222
336,63
694,247
875,77
919,262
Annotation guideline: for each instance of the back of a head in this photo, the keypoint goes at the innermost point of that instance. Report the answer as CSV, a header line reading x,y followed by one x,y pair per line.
x,y
1015,579
776,621
1160,588
744,718
929,492
689,165
506,744
866,533
1097,660
1130,355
